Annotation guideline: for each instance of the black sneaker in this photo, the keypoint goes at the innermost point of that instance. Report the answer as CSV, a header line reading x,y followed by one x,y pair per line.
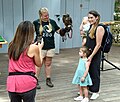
x,y
38,86
49,83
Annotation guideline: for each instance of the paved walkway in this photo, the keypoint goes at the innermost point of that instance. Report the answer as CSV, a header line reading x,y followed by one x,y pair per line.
x,y
64,66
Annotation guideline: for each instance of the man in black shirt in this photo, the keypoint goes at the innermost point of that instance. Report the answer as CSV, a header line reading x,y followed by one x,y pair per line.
x,y
45,28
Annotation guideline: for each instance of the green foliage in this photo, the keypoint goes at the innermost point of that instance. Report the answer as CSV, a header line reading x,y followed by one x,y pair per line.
x,y
117,10
117,6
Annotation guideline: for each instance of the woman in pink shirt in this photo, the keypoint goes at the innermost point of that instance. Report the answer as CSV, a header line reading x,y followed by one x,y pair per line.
x,y
23,57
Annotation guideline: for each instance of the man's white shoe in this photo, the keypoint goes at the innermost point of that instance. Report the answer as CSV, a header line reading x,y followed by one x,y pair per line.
x,y
79,98
85,99
94,96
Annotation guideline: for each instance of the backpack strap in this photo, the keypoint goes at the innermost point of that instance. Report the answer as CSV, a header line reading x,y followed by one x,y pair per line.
x,y
105,33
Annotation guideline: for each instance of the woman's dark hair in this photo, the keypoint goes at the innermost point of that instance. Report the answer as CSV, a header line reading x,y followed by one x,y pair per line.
x,y
94,13
92,30
23,38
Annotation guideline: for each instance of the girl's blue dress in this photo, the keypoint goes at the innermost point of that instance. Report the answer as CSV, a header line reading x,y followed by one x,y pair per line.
x,y
80,72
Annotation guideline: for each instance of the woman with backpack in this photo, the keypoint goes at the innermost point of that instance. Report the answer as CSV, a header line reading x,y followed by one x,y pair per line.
x,y
93,42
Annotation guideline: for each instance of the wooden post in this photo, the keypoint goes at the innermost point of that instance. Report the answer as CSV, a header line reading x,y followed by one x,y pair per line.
x,y
0,45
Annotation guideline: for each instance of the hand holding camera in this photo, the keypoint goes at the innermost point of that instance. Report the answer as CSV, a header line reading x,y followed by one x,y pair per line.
x,y
40,43
39,38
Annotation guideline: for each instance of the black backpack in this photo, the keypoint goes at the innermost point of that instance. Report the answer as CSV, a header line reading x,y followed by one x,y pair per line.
x,y
107,39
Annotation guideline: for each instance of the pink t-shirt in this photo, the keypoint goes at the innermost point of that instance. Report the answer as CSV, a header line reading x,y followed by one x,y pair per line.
x,y
21,83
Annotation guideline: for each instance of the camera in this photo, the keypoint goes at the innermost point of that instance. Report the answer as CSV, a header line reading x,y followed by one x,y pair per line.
x,y
39,39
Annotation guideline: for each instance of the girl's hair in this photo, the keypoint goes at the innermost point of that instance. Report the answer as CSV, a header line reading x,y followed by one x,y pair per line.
x,y
43,10
92,30
24,36
85,50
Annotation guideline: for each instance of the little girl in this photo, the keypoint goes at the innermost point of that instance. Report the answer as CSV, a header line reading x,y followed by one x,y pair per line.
x,y
82,77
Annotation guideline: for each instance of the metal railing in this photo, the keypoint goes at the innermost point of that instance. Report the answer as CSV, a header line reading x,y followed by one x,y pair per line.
x,y
115,29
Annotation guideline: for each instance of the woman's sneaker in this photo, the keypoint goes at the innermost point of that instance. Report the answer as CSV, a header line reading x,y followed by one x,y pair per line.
x,y
89,92
85,100
79,98
94,96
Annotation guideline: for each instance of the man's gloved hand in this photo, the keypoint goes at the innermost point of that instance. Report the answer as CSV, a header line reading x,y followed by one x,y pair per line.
x,y
62,31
